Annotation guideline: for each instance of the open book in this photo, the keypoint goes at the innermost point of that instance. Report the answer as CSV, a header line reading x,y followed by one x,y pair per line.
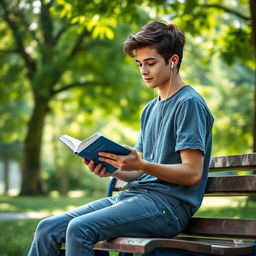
x,y
90,147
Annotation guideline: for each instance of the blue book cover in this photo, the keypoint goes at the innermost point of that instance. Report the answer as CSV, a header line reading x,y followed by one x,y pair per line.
x,y
90,147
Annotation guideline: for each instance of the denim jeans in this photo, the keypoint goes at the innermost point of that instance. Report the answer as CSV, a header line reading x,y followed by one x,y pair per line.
x,y
136,213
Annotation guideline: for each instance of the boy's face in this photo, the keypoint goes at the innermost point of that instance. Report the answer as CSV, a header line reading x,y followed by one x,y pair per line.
x,y
153,69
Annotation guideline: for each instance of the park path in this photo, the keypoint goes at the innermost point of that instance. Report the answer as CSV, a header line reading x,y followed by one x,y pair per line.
x,y
12,216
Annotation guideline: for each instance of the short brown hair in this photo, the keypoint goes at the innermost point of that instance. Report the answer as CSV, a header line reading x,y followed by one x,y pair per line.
x,y
167,39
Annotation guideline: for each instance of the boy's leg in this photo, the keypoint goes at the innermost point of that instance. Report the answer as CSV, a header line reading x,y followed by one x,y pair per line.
x,y
51,232
134,216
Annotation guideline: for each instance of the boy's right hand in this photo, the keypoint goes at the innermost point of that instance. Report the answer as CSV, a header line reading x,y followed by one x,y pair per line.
x,y
98,170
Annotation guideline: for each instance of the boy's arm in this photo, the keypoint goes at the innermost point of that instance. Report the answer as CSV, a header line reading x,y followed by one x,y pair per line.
x,y
188,172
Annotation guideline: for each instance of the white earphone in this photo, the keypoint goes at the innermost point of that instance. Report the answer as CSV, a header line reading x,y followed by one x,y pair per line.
x,y
172,64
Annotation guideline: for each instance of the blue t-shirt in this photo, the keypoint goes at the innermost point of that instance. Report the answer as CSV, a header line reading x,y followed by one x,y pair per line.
x,y
183,121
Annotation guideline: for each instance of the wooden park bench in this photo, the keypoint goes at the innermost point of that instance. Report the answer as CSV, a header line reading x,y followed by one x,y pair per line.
x,y
229,176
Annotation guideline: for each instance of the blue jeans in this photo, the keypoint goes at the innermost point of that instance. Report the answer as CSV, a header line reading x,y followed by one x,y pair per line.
x,y
136,213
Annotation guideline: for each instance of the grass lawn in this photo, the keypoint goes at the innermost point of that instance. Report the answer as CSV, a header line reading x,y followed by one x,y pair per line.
x,y
223,207
51,204
16,236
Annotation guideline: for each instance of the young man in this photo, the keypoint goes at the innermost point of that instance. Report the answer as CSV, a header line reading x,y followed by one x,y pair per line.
x,y
167,170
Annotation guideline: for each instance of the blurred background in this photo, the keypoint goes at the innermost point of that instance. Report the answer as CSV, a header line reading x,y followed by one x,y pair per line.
x,y
63,71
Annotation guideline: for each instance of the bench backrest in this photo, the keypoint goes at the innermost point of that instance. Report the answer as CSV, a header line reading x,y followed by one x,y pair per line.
x,y
228,176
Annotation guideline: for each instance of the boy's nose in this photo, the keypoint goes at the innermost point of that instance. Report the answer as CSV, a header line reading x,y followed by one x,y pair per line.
x,y
144,71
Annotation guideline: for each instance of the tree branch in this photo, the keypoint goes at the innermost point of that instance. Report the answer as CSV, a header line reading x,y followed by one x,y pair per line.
x,y
72,85
30,63
46,22
78,43
61,31
226,9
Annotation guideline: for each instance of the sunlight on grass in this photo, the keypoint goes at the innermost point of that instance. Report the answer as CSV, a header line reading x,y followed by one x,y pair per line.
x,y
230,207
76,194
6,207
48,204
224,201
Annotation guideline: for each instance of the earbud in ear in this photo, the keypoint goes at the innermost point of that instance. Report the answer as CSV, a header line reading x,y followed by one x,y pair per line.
x,y
172,64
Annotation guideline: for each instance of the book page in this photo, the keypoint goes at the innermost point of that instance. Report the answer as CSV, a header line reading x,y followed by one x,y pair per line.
x,y
71,142
85,143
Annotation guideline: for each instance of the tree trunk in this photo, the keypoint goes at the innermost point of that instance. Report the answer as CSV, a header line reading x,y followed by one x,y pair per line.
x,y
253,21
31,180
6,173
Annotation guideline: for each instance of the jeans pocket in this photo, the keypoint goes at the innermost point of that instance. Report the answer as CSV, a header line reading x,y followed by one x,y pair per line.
x,y
171,223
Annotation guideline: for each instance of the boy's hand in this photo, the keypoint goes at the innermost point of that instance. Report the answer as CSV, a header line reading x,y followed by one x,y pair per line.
x,y
98,170
128,162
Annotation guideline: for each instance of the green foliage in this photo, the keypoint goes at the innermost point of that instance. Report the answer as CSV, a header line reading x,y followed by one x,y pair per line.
x,y
226,24
14,109
11,151
236,43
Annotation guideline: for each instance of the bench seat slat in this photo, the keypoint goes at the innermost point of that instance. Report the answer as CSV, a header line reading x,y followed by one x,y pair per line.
x,y
232,184
145,245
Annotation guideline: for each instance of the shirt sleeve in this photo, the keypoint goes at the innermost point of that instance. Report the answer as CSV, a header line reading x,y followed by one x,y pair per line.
x,y
191,126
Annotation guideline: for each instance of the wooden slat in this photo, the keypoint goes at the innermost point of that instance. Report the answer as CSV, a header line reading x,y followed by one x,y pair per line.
x,y
235,185
220,227
145,245
233,162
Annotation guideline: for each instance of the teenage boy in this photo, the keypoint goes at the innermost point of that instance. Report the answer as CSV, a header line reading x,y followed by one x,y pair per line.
x,y
167,170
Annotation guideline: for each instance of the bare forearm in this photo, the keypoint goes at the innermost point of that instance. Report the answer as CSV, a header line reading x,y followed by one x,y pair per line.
x,y
182,174
126,175
188,172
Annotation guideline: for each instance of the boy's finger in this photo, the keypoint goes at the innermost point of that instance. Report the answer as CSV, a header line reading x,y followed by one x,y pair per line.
x,y
85,161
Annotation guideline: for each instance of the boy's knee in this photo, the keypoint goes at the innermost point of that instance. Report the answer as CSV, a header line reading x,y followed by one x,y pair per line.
x,y
73,228
79,230
44,227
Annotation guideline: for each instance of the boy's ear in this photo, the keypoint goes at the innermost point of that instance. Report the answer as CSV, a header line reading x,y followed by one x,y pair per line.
x,y
173,60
